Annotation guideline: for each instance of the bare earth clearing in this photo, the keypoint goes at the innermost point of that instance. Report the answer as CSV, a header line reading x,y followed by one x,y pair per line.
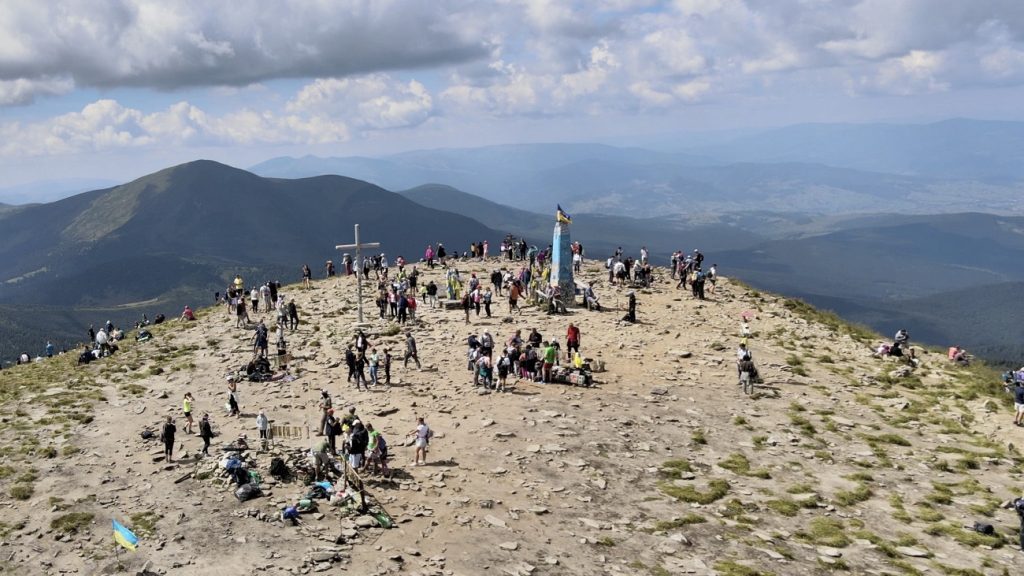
x,y
841,464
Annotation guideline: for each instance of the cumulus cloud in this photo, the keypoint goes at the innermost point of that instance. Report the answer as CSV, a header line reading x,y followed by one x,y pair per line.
x,y
374,102
169,44
107,124
23,91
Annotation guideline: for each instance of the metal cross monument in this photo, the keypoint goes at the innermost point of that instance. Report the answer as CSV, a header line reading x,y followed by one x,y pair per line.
x,y
358,267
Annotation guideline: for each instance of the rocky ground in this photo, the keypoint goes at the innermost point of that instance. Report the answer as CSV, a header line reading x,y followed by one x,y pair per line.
x,y
840,462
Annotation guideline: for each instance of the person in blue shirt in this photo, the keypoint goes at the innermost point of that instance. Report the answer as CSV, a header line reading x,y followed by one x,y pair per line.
x,y
49,349
1018,403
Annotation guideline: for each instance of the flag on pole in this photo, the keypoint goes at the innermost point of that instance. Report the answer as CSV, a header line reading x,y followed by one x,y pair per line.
x,y
124,536
562,216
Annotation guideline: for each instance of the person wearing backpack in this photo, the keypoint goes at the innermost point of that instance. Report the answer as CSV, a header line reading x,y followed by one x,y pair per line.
x,y
378,449
167,436
206,433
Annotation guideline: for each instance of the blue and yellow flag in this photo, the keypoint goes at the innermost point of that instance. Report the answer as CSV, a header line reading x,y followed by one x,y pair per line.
x,y
124,536
562,216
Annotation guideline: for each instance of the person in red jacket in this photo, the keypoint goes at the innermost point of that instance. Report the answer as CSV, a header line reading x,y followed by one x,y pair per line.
x,y
572,341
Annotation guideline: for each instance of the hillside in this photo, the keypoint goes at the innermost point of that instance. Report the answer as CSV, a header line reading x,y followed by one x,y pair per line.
x,y
841,462
182,233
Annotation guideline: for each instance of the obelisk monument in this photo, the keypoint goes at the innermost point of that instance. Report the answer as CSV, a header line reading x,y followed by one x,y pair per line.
x,y
561,259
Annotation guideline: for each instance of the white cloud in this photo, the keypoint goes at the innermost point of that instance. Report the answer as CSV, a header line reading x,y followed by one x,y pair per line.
x,y
374,102
24,91
169,44
107,124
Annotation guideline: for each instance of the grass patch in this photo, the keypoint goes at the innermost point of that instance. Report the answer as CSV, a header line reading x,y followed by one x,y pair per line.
x,y
71,522
826,532
666,525
803,424
850,497
144,522
784,506
675,468
739,464
895,439
717,489
968,538
21,491
699,437
605,541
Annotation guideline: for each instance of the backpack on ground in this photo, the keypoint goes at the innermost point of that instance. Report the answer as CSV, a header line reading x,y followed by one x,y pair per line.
x,y
278,468
984,528
247,492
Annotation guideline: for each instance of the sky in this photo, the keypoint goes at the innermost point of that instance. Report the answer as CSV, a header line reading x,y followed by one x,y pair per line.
x,y
116,89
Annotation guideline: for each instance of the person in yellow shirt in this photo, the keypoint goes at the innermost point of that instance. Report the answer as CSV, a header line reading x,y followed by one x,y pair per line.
x,y
187,406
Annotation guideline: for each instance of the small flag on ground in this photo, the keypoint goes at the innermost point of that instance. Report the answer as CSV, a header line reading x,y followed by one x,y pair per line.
x,y
124,536
561,215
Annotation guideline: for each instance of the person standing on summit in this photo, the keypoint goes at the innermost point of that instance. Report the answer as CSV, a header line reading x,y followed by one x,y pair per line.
x,y
410,351
167,436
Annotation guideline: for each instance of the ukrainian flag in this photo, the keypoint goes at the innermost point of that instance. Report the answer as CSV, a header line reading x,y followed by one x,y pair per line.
x,y
562,216
124,536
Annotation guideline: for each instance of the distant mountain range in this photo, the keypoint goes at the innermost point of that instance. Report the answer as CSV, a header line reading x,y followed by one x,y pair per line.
x,y
956,149
946,167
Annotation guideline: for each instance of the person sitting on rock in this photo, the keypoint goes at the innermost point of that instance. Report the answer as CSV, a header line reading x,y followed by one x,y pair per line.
x,y
187,315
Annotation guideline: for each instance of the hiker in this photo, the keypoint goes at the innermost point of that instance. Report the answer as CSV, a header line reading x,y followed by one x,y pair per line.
x,y
307,276
466,304
959,356
361,342
486,298
187,315
357,445
504,365
513,298
423,434
254,295
350,362
410,351
360,374
430,293
378,449
902,338
293,315
496,281
550,355
233,400
1018,403
590,297
712,278
325,409
49,349
572,341
167,436
387,367
187,406
374,366
263,425
260,340
332,428
205,432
